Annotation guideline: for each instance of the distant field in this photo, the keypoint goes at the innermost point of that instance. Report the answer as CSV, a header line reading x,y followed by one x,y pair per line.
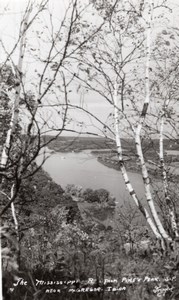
x,y
67,144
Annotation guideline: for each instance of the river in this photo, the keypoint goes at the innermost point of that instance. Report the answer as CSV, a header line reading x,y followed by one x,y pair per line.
x,y
84,170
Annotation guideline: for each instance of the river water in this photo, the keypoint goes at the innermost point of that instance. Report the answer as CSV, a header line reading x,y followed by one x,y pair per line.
x,y
84,170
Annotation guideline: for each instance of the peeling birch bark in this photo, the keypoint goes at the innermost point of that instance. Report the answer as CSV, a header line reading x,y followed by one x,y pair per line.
x,y
147,187
13,210
145,174
124,171
15,115
16,224
15,107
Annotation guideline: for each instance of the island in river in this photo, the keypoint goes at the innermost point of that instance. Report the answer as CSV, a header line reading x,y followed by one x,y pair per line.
x,y
105,152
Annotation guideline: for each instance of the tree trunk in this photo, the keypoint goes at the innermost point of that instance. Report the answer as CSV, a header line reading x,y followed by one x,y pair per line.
x,y
172,216
124,171
145,174
15,108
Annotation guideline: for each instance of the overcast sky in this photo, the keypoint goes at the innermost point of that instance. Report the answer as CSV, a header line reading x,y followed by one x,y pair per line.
x,y
11,13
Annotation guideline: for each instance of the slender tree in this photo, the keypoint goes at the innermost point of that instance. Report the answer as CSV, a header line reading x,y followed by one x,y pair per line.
x,y
29,94
121,71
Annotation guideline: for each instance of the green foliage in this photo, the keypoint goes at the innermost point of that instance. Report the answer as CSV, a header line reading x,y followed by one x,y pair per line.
x,y
100,196
73,190
68,144
9,249
60,241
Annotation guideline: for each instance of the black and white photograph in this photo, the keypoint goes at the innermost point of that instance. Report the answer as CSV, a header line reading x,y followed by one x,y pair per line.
x,y
89,149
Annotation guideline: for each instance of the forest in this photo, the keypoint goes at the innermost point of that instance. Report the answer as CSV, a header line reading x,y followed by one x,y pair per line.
x,y
99,76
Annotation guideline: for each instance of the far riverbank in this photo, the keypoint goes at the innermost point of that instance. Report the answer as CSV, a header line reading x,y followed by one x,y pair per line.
x,y
109,159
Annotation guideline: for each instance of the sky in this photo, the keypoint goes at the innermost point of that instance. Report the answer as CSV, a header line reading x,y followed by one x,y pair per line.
x,y
11,13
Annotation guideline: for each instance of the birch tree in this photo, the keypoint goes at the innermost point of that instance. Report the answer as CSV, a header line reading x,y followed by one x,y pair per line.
x,y
50,82
121,71
30,92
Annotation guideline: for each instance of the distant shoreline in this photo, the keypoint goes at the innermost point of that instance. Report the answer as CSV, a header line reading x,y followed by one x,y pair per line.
x,y
132,167
104,153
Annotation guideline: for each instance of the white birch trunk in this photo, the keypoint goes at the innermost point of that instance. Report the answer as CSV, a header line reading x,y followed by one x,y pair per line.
x,y
147,187
12,125
124,171
145,174
13,210
164,176
15,107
